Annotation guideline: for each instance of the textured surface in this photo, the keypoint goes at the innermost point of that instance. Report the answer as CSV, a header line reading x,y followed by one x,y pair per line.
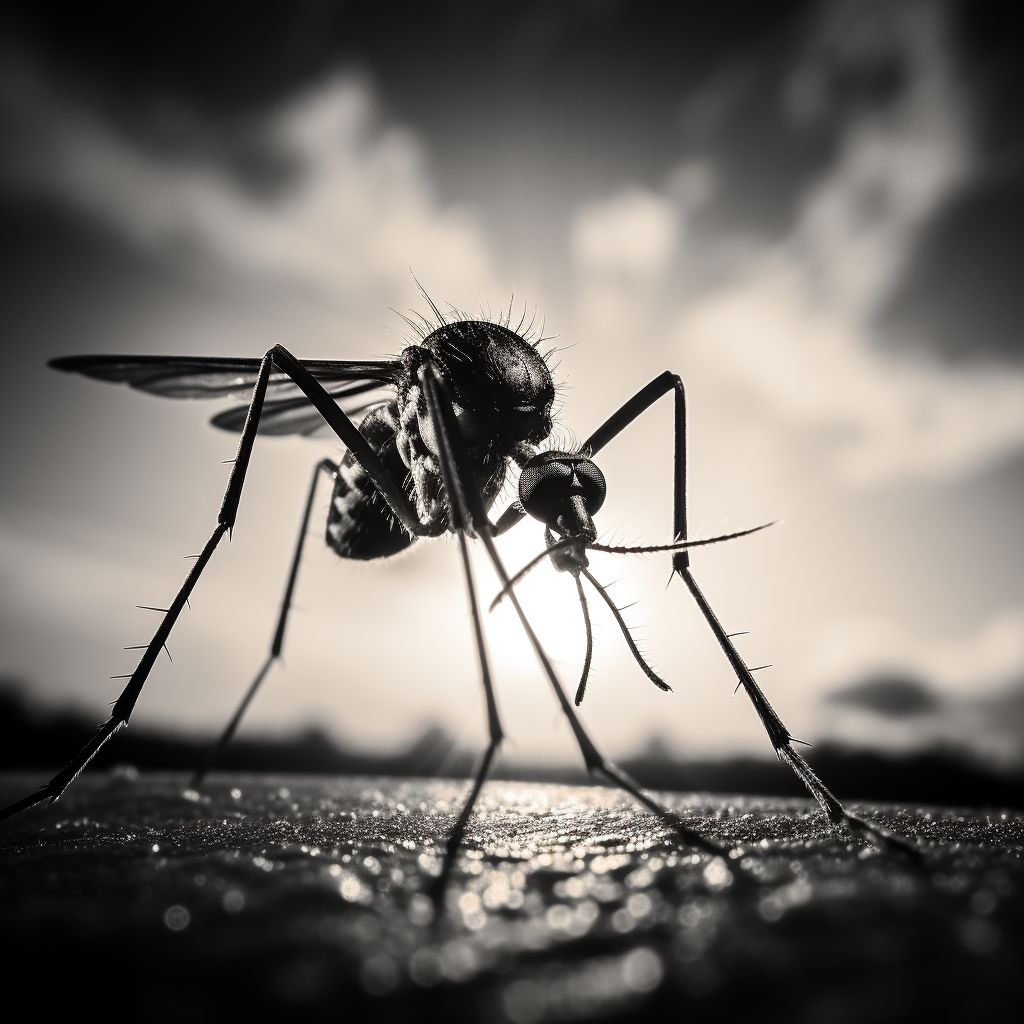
x,y
305,897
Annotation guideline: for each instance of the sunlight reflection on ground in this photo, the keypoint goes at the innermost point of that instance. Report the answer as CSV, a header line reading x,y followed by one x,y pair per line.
x,y
567,904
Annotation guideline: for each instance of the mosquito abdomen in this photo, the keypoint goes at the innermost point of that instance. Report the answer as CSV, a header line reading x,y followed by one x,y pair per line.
x,y
359,523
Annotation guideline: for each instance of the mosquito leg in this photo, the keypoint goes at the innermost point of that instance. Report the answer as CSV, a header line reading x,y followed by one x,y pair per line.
x,y
329,469
495,734
390,490
782,740
663,384
461,520
597,764
124,704
515,513
780,737
463,493
512,516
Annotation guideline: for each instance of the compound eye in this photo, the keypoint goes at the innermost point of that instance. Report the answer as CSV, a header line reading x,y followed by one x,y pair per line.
x,y
544,488
595,488
550,481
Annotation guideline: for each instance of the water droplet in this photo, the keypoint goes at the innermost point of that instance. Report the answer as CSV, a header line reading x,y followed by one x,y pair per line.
x,y
642,970
523,1002
639,904
233,901
980,936
424,967
352,889
177,918
717,875
983,902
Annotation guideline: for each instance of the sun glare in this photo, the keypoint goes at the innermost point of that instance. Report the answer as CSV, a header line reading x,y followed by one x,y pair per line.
x,y
549,600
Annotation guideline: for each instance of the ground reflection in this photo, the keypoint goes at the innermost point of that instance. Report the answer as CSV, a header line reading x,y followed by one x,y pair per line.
x,y
566,904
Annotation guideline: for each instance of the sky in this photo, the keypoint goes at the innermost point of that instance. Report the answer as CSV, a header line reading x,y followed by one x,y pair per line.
x,y
813,212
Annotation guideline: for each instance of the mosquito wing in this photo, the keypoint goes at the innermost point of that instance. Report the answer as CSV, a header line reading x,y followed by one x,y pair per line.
x,y
286,411
297,416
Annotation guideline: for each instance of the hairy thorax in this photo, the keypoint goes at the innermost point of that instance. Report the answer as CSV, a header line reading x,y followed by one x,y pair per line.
x,y
501,394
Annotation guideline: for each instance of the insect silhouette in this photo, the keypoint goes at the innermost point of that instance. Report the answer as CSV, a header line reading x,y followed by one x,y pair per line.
x,y
470,399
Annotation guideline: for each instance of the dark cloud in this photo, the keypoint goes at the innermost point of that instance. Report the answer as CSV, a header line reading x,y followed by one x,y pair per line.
x,y
786,111
601,60
525,109
557,101
890,696
990,724
963,295
218,56
1003,713
560,100
987,35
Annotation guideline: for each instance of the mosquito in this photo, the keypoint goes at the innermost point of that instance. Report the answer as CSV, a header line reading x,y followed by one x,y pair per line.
x,y
469,400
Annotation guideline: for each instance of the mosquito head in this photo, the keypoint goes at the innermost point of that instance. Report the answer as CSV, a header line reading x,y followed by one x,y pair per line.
x,y
564,491
500,382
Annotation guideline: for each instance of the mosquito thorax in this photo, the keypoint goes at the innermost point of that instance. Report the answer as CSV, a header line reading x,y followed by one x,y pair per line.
x,y
564,491
500,383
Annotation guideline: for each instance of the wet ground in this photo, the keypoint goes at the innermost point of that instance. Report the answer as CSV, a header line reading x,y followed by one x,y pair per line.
x,y
306,897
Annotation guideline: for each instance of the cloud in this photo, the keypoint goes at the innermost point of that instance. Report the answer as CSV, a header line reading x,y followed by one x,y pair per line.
x,y
907,714
791,324
981,662
968,691
904,148
1001,725
891,696
632,234
962,296
354,210
885,415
